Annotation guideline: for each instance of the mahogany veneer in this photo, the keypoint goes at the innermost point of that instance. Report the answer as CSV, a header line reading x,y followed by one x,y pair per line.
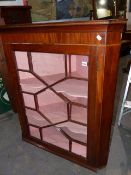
x,y
63,77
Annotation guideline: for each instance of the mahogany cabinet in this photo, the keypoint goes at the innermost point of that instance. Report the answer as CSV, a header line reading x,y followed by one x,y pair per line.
x,y
63,77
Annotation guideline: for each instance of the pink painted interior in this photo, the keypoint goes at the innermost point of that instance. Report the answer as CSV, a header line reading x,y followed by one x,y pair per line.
x,y
49,98
35,118
73,63
79,149
22,61
29,100
59,105
54,136
29,83
49,64
79,114
55,112
78,70
74,90
75,131
34,132
25,76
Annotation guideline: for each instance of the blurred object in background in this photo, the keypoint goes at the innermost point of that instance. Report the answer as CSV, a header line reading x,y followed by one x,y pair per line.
x,y
66,9
42,10
4,99
25,2
104,9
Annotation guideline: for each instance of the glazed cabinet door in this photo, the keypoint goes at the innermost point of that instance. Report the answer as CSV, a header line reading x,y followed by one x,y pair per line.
x,y
56,93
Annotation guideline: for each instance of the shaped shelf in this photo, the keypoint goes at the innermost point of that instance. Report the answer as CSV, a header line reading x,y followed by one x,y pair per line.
x,y
74,90
74,131
29,83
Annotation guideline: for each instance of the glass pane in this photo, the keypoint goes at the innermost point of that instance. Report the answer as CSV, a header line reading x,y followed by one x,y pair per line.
x,y
52,106
29,100
29,83
74,131
78,66
22,60
74,90
79,149
34,132
54,66
79,114
54,136
34,118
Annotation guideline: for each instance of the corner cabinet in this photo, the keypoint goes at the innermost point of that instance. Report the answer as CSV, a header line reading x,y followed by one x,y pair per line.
x,y
63,79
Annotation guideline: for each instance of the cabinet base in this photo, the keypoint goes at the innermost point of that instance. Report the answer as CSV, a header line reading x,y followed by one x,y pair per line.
x,y
59,152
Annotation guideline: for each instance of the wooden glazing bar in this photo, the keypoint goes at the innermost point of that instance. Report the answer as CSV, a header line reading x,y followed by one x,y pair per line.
x,y
66,72
49,86
30,108
79,104
30,61
70,138
47,126
39,78
79,142
70,145
26,107
41,134
77,78
64,98
25,92
35,126
16,67
69,111
66,135
36,102
63,79
69,65
42,90
44,116
74,121
22,70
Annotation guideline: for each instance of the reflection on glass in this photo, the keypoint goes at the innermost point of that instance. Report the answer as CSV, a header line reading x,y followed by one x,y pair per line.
x,y
66,9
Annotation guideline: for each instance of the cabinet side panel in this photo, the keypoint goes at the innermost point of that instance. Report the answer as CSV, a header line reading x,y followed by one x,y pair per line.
x,y
96,75
109,87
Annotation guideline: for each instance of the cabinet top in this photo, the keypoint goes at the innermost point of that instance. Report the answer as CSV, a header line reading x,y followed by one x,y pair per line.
x,y
72,24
